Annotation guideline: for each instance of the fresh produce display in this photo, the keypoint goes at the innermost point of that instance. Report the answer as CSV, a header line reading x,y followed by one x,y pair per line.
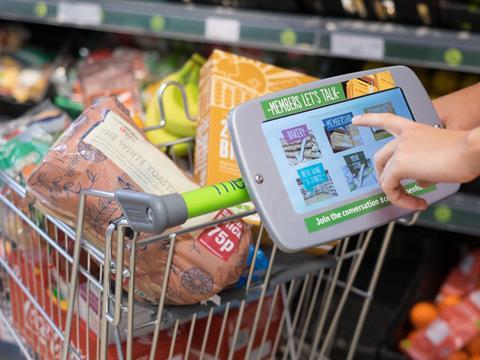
x,y
25,74
423,314
104,150
177,124
176,121
448,327
163,136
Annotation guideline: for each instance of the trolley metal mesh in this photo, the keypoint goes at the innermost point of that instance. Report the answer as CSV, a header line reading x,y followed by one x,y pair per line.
x,y
292,311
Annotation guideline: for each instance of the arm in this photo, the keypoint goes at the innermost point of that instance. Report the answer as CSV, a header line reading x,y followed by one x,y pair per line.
x,y
460,110
422,153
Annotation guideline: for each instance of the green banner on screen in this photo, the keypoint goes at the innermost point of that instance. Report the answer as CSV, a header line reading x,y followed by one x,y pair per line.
x,y
358,208
305,100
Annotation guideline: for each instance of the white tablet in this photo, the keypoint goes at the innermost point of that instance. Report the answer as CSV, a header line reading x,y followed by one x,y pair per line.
x,y
309,171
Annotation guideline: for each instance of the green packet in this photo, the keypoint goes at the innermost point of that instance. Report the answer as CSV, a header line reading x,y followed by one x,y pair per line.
x,y
22,150
25,141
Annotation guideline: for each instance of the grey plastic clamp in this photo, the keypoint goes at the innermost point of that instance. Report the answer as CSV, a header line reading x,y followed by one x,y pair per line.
x,y
152,213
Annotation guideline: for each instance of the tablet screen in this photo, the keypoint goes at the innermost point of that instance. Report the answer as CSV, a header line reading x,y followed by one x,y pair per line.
x,y
322,158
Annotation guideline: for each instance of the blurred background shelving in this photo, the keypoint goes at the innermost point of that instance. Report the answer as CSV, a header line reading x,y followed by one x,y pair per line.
x,y
302,33
439,39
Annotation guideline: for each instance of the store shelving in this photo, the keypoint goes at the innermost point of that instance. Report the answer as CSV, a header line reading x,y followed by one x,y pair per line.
x,y
459,213
431,47
316,35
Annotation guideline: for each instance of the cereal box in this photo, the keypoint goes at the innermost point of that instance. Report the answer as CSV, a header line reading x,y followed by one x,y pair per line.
x,y
227,80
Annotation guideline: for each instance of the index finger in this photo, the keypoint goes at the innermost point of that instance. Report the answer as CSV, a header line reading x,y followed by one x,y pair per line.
x,y
394,124
392,186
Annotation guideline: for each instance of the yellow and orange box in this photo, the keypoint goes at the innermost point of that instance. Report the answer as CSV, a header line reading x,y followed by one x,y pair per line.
x,y
227,80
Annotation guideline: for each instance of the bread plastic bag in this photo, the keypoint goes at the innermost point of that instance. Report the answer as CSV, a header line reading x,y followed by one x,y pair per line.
x,y
104,150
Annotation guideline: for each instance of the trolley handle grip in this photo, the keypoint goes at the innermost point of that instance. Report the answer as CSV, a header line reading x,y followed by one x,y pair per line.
x,y
155,214
152,213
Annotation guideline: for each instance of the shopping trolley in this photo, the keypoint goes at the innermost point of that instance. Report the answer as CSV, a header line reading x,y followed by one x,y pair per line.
x,y
293,309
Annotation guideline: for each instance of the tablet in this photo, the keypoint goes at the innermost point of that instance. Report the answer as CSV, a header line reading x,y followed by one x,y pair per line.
x,y
309,171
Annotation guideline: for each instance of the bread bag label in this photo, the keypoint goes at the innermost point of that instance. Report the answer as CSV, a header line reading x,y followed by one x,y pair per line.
x,y
153,171
121,142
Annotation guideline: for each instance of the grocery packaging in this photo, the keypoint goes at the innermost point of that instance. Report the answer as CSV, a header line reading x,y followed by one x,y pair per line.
x,y
422,12
449,327
369,84
454,328
45,116
111,77
104,150
24,75
24,141
259,268
227,80
13,228
137,58
246,323
141,67
463,278
89,300
30,322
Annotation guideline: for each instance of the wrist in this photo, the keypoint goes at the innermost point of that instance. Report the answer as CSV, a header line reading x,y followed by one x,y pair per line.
x,y
441,110
471,154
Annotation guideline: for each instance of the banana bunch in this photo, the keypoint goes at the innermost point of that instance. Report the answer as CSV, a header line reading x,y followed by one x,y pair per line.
x,y
177,124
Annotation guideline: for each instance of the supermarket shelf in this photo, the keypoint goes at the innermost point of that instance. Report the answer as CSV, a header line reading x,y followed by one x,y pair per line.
x,y
459,213
304,34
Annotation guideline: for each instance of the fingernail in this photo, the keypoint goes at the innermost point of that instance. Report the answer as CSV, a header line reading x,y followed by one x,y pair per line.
x,y
422,206
355,118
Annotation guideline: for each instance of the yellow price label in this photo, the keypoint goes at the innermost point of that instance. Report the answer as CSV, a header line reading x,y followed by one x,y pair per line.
x,y
40,9
288,37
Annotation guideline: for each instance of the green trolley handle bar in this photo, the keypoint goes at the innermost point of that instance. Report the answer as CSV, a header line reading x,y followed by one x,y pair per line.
x,y
215,197
154,214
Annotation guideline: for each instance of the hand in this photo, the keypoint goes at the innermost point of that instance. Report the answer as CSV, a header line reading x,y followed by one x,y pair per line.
x,y
419,152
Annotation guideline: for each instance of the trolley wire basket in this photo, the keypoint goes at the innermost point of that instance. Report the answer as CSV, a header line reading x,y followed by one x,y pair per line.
x,y
63,297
